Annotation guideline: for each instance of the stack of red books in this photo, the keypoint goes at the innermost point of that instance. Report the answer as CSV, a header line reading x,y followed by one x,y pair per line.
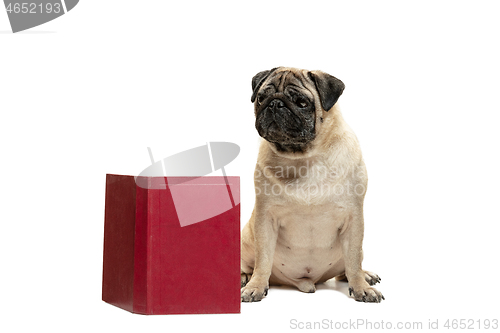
x,y
172,244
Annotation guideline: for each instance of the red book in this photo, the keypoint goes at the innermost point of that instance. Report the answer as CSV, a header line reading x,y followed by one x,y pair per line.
x,y
172,244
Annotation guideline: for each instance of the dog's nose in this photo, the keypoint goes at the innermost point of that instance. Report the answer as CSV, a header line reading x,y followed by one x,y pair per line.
x,y
276,104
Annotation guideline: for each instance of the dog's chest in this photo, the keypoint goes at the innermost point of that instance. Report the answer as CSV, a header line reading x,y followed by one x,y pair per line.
x,y
312,183
310,225
307,243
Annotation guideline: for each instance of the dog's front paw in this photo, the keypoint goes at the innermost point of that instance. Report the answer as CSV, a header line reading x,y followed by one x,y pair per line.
x,y
365,293
253,292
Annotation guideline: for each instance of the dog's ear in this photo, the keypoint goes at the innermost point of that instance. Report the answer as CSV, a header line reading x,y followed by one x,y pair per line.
x,y
329,88
257,81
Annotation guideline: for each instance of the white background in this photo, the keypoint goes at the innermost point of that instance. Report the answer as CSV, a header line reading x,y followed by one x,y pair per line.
x,y
85,94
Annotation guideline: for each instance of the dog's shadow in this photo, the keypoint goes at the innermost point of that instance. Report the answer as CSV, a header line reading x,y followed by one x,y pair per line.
x,y
332,284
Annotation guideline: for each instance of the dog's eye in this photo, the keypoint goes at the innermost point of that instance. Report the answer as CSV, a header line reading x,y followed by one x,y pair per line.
x,y
261,99
301,102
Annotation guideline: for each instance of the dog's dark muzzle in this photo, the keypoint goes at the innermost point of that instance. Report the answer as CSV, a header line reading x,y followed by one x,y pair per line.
x,y
276,104
277,122
284,118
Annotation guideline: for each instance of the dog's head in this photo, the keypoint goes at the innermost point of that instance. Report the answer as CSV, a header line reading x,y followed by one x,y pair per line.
x,y
288,104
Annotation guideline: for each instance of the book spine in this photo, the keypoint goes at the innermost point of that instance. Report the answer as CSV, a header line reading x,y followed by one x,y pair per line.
x,y
142,252
119,229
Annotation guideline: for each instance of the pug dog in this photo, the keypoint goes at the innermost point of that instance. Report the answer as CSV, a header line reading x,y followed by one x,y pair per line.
x,y
310,181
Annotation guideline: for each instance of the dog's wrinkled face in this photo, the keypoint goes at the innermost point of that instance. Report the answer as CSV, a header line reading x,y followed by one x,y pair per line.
x,y
285,108
285,112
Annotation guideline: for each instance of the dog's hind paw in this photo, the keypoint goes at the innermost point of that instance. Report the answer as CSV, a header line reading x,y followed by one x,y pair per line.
x,y
372,278
245,278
